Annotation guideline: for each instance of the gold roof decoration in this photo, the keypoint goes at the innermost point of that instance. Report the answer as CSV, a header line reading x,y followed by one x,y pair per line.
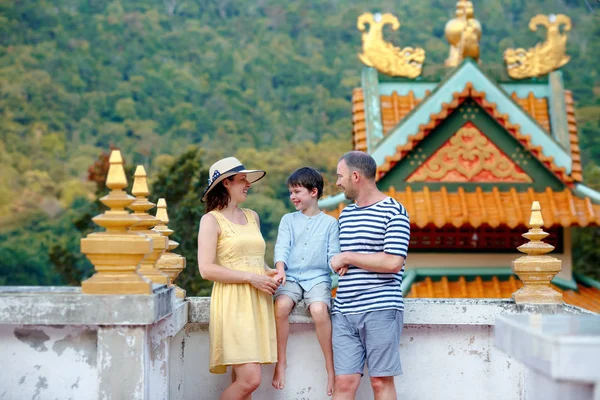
x,y
463,34
383,56
544,57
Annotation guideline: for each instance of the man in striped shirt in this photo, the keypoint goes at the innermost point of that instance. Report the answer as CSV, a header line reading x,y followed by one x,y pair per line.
x,y
367,315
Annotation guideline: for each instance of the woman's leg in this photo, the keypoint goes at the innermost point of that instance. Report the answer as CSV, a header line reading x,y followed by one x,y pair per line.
x,y
247,379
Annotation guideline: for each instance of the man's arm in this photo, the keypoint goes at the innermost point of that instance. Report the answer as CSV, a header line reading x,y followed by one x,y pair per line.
x,y
376,262
391,259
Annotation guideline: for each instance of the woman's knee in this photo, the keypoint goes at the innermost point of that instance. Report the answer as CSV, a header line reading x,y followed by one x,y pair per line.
x,y
248,378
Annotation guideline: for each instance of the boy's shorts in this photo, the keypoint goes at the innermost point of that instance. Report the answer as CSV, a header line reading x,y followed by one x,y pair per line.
x,y
373,337
319,292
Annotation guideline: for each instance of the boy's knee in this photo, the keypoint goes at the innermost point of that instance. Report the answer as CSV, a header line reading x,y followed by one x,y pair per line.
x,y
319,311
283,306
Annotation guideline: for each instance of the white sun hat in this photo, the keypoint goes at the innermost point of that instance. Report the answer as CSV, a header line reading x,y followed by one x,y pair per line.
x,y
228,167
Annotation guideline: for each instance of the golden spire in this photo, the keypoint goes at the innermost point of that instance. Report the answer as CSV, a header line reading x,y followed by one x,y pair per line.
x,y
115,252
159,242
536,269
463,34
170,264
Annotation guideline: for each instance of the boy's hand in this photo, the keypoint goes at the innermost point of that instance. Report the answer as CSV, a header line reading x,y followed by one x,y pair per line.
x,y
338,262
280,277
342,271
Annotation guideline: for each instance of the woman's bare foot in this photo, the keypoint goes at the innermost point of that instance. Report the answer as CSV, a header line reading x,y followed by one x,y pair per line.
x,y
279,376
330,383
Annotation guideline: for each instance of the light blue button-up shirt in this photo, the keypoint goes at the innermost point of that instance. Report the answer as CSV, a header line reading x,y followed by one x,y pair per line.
x,y
306,246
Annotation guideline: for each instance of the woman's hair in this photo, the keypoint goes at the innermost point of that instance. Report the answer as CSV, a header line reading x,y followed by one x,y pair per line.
x,y
218,197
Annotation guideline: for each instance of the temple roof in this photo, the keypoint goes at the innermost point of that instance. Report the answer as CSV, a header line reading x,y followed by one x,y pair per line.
x,y
493,208
587,294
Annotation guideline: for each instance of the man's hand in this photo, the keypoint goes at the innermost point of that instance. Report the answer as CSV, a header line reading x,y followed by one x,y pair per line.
x,y
338,262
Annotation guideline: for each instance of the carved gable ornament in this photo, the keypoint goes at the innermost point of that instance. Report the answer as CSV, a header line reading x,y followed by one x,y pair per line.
x,y
469,156
544,57
383,56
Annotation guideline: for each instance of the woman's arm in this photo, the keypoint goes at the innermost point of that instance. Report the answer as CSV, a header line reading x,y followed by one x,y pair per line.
x,y
208,236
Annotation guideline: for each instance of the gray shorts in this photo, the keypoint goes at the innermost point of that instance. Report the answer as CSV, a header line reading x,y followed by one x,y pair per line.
x,y
319,292
373,337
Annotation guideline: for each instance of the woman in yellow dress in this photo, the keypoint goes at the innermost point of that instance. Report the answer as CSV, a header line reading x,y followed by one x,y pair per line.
x,y
231,252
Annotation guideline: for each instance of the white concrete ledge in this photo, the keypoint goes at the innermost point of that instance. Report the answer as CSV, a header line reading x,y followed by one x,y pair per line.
x,y
423,311
68,306
547,342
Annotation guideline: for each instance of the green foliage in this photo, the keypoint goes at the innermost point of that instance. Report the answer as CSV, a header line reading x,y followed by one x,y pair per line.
x,y
269,81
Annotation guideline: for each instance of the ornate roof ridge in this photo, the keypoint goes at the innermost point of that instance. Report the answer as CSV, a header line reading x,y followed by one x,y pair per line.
x,y
490,108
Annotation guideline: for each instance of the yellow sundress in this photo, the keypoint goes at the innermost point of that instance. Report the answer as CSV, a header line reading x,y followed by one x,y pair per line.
x,y
242,320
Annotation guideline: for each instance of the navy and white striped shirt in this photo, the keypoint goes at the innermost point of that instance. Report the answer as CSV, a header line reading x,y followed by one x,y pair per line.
x,y
380,227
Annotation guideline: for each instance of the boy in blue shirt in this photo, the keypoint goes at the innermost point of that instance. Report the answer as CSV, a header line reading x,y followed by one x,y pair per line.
x,y
306,242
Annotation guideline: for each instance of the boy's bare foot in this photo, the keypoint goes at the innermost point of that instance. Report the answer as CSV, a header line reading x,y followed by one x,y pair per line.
x,y
279,376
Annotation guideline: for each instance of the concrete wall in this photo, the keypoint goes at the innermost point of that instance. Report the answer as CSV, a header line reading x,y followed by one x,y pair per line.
x,y
66,345
446,349
48,362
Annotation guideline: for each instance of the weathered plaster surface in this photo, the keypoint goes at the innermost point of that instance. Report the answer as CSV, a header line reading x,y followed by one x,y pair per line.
x,y
439,362
422,311
66,306
48,362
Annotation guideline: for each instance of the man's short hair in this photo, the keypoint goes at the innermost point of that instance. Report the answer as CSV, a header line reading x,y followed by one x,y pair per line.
x,y
306,177
361,162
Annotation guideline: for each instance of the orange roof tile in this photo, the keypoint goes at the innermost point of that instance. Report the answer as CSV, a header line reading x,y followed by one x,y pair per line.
x,y
493,208
447,108
359,130
395,107
536,107
585,297
573,138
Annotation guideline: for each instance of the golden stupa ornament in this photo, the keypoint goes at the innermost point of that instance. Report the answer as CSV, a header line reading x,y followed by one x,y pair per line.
x,y
463,34
383,56
536,269
544,57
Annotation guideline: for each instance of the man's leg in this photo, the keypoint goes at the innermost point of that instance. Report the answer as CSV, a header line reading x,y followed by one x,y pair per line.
x,y
383,387
283,307
320,315
381,331
348,356
346,386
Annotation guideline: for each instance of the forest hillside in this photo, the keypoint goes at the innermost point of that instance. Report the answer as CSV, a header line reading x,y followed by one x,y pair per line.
x,y
176,84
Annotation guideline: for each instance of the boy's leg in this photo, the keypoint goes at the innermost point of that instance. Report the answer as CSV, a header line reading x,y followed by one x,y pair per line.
x,y
320,314
286,298
318,299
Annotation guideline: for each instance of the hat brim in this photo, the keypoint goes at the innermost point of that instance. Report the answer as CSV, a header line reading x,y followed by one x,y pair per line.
x,y
253,175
